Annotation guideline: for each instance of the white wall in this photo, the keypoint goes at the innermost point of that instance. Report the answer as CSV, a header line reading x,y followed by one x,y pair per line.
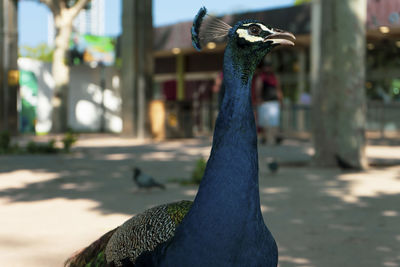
x,y
45,81
85,97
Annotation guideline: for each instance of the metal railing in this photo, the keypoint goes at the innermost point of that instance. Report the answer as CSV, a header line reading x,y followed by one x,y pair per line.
x,y
382,118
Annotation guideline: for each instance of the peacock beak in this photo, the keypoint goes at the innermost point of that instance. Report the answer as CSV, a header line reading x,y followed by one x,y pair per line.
x,y
281,37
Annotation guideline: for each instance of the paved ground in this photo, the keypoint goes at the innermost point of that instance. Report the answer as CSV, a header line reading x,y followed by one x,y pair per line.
x,y
51,206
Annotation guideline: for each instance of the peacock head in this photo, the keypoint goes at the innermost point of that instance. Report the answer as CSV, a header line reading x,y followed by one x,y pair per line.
x,y
252,37
249,40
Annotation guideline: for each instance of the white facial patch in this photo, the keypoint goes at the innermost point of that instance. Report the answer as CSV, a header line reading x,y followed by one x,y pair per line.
x,y
262,26
244,33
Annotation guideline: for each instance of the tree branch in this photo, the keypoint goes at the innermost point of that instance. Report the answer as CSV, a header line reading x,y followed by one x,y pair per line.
x,y
49,4
74,10
62,4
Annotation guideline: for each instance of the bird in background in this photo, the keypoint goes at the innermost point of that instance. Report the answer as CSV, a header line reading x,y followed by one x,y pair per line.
x,y
145,181
273,165
344,165
224,225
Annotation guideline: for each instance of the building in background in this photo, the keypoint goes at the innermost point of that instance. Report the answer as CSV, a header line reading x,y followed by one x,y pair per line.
x,y
91,21
175,57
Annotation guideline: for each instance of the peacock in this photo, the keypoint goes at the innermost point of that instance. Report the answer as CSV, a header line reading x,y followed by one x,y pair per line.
x,y
224,225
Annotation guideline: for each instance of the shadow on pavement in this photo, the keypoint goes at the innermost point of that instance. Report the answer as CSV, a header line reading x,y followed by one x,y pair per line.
x,y
323,217
319,217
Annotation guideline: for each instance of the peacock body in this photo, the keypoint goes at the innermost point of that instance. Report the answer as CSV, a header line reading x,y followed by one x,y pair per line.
x,y
141,233
145,231
224,225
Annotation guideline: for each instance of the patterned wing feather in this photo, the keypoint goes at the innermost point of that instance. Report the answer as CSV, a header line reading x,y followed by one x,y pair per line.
x,y
145,231
141,233
93,255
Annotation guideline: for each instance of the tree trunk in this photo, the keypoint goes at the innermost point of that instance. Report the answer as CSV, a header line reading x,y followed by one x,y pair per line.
x,y
9,66
61,75
137,66
63,14
338,78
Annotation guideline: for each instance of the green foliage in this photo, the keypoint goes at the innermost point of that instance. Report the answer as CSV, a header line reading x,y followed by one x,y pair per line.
x,y
118,63
5,141
69,139
300,2
38,148
41,52
198,171
35,147
5,144
197,174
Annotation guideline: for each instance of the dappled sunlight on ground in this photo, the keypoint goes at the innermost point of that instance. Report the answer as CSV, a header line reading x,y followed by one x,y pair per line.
x,y
121,156
54,205
369,184
274,190
382,152
390,213
46,231
296,261
374,183
322,217
161,156
21,178
191,193
112,141
79,187
265,208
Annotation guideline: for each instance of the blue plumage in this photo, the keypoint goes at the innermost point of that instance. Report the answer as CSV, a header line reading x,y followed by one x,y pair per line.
x,y
224,226
195,30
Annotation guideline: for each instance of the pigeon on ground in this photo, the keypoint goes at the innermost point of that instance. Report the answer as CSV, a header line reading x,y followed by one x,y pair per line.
x,y
143,180
273,165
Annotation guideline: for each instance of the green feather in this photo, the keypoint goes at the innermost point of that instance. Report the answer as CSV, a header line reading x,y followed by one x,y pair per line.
x,y
178,210
99,261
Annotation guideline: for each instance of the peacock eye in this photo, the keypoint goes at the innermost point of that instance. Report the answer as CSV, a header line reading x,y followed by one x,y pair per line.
x,y
254,30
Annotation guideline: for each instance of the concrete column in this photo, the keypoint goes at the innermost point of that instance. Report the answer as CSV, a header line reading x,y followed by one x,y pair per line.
x,y
9,65
180,77
301,86
338,82
137,66
3,90
302,74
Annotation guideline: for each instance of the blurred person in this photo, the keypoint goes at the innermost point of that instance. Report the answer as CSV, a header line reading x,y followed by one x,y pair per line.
x,y
386,98
305,98
267,96
169,90
219,87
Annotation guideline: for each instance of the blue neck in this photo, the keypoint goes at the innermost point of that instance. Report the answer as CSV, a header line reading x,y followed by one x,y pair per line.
x,y
225,226
229,189
233,163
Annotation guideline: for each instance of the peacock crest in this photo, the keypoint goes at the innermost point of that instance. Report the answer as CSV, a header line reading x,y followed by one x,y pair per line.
x,y
207,29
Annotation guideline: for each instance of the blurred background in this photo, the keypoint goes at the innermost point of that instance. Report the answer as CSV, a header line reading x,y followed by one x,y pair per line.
x,y
181,79
91,89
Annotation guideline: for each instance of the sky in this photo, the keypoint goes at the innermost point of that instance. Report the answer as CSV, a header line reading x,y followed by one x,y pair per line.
x,y
32,20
